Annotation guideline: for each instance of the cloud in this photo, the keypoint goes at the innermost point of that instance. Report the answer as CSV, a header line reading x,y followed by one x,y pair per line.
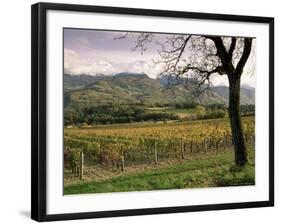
x,y
149,68
76,64
99,62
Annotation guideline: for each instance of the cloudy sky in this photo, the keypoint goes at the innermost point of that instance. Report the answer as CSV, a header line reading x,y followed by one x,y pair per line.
x,y
99,52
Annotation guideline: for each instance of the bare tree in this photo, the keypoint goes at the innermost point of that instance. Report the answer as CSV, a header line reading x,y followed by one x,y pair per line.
x,y
199,57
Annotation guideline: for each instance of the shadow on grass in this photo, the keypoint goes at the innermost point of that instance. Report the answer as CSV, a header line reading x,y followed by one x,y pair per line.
x,y
238,176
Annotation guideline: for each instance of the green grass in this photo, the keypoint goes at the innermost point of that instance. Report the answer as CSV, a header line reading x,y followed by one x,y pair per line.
x,y
211,170
174,110
180,112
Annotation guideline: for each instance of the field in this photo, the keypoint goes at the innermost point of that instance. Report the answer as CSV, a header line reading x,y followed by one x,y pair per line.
x,y
181,113
153,156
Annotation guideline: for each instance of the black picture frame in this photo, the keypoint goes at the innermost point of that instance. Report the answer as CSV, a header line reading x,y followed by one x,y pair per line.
x,y
38,108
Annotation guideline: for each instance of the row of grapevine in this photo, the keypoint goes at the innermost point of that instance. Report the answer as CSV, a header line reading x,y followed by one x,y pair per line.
x,y
121,147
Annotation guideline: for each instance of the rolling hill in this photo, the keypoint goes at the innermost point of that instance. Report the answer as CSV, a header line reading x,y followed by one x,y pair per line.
x,y
138,88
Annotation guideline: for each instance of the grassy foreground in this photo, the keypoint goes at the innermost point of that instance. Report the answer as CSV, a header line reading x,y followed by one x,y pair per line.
x,y
210,170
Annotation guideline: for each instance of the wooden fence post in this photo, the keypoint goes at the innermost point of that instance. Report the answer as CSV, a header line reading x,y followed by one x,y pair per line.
x,y
205,145
81,172
122,160
182,149
76,170
155,153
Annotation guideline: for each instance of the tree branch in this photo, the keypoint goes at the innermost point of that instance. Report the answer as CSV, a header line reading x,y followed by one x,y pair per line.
x,y
181,51
218,69
245,56
207,55
232,46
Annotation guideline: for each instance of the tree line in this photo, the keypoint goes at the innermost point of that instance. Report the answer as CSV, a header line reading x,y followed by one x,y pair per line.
x,y
117,114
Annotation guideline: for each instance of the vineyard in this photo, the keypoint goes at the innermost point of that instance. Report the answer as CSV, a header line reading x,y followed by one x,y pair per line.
x,y
122,146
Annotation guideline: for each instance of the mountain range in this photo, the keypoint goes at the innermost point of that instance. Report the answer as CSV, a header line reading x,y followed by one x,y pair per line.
x,y
138,88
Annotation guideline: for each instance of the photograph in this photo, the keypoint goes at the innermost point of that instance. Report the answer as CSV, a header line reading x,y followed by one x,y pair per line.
x,y
147,111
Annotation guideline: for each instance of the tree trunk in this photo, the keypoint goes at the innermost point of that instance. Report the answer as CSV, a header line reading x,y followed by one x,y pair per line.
x,y
235,121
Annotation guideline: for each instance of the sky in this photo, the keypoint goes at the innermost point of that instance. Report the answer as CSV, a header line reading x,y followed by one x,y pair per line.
x,y
94,52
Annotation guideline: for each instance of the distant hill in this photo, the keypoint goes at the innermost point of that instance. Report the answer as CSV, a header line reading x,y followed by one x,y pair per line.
x,y
247,94
138,88
79,81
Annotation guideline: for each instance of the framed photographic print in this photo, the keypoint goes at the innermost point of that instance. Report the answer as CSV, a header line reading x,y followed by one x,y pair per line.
x,y
139,111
